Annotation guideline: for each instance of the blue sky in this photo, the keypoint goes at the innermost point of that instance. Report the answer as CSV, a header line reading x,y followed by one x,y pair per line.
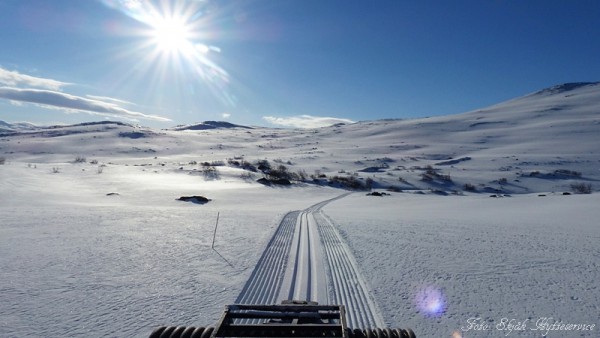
x,y
284,63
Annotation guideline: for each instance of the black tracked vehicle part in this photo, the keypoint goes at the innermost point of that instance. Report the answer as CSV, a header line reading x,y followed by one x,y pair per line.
x,y
290,319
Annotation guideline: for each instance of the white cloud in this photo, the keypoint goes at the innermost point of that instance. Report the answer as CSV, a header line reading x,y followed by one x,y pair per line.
x,y
226,115
46,93
67,102
16,79
108,99
305,121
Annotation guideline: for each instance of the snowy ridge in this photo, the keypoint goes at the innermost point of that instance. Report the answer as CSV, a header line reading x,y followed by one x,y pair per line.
x,y
16,127
565,87
551,130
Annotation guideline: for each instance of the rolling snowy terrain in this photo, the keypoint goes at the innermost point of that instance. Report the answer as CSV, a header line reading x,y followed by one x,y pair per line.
x,y
93,241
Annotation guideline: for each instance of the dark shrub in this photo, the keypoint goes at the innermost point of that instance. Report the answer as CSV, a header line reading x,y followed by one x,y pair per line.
x,y
581,188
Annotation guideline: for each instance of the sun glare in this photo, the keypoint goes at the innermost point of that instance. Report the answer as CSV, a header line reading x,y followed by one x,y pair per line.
x,y
171,35
174,49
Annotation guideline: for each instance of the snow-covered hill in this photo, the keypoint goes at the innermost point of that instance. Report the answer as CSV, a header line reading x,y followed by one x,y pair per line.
x,y
94,241
13,127
542,142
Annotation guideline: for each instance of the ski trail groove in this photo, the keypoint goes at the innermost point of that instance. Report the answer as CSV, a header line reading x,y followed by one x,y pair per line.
x,y
265,281
306,259
350,287
307,276
295,268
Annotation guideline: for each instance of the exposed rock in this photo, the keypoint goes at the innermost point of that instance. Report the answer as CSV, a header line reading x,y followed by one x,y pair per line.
x,y
194,199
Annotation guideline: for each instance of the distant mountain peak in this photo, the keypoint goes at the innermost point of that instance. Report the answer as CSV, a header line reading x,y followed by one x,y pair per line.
x,y
206,125
566,87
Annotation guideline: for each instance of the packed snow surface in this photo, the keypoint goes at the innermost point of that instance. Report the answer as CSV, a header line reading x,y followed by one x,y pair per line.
x,y
93,241
523,258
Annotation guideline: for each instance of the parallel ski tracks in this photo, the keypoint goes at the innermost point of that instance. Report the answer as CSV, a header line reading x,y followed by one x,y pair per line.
x,y
307,277
265,281
306,259
301,275
349,287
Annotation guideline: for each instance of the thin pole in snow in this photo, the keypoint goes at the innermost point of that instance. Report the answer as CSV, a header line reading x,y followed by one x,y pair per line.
x,y
213,242
215,233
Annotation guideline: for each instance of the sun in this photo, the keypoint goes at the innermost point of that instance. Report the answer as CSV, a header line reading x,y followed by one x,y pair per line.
x,y
172,35
174,48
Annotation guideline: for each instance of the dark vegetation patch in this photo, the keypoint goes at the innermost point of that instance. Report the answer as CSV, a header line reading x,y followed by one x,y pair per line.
x,y
132,134
581,188
565,87
432,174
351,182
372,170
454,161
277,181
556,174
98,123
378,194
476,124
208,125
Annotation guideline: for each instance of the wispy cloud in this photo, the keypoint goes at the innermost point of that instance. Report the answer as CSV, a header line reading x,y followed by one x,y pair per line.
x,y
305,121
108,99
48,98
16,79
47,93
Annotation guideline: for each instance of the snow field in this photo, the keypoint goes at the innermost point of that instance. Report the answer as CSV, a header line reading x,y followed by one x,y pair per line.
x,y
522,258
76,262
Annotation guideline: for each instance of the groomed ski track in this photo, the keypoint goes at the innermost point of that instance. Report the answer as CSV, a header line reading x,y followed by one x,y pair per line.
x,y
306,259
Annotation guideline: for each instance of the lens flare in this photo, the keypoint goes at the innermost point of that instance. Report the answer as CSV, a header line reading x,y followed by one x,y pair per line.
x,y
430,301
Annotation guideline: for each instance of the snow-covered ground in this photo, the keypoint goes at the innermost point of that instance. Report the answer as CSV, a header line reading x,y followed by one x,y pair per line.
x,y
521,258
76,262
101,246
